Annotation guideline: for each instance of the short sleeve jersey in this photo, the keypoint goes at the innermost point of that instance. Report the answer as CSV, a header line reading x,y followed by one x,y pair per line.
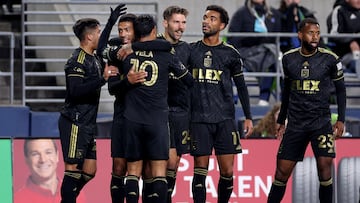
x,y
147,103
212,68
310,80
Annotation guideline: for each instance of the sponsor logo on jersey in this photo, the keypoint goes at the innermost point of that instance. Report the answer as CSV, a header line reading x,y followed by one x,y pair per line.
x,y
208,75
305,73
208,59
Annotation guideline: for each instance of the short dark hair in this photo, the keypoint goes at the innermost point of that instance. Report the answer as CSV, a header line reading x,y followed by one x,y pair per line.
x,y
169,11
307,21
83,25
129,17
27,141
224,16
143,25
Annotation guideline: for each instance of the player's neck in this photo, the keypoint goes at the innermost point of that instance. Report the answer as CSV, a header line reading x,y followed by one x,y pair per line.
x,y
306,52
147,38
212,40
88,49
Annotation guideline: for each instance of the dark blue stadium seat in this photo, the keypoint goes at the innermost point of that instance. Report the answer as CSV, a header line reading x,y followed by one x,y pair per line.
x,y
14,121
44,124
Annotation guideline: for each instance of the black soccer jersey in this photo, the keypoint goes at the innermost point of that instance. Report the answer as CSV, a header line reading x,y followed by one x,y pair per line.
x,y
118,85
178,92
88,70
84,79
307,88
212,94
147,103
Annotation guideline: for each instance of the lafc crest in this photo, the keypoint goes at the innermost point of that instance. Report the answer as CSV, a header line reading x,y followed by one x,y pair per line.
x,y
305,73
208,59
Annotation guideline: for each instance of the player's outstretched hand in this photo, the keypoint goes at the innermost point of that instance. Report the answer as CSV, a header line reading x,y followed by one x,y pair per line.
x,y
116,13
338,129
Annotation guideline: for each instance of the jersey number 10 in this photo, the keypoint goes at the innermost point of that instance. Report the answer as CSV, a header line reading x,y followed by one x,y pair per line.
x,y
152,69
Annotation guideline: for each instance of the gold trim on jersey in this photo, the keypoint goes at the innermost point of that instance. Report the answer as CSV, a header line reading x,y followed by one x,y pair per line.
x,y
81,57
183,75
73,140
231,46
239,74
75,75
172,51
338,78
292,51
323,50
308,55
160,35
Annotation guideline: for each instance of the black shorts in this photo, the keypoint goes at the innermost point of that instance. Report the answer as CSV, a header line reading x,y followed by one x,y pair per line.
x,y
223,137
294,143
118,137
146,142
77,141
179,132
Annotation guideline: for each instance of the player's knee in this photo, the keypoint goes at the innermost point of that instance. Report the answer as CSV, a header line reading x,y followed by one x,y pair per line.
x,y
119,169
325,175
324,172
227,172
172,164
282,174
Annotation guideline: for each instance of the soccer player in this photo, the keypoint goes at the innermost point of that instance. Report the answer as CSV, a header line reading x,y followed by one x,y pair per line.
x,y
213,64
178,93
310,72
117,86
85,75
146,113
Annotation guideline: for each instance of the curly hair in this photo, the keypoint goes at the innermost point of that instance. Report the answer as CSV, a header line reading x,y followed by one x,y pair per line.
x,y
267,125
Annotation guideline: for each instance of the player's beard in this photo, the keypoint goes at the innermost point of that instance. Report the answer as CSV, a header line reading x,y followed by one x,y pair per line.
x,y
175,36
210,33
310,48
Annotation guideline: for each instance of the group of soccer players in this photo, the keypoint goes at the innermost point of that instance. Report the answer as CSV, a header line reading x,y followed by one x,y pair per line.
x,y
163,88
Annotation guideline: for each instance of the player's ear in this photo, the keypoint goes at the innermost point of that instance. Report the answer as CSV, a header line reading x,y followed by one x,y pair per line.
x,y
89,36
165,23
222,26
300,35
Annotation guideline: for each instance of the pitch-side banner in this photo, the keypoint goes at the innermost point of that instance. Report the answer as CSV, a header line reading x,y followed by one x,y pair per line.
x,y
253,172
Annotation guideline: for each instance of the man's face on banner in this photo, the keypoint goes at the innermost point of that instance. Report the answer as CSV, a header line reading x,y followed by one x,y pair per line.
x,y
42,159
